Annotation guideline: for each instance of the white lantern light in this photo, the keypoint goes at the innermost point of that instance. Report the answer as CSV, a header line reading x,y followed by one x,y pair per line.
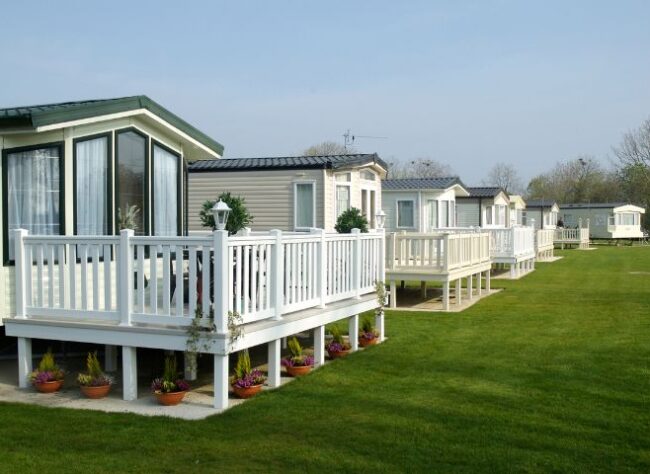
x,y
380,219
220,211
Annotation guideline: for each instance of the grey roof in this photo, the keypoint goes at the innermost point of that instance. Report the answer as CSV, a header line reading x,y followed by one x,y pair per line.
x,y
33,116
595,205
287,162
485,191
420,183
540,203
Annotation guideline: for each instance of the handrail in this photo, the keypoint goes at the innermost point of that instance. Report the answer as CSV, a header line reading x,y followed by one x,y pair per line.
x,y
169,280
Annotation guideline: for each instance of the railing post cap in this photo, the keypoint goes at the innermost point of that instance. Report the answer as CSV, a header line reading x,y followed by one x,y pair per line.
x,y
20,231
355,231
275,232
128,232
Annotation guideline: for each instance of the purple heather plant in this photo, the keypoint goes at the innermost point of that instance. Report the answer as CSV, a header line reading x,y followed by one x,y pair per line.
x,y
254,377
301,361
47,376
368,335
335,347
164,386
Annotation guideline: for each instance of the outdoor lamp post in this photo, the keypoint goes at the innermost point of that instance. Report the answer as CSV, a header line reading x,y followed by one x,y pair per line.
x,y
220,212
380,218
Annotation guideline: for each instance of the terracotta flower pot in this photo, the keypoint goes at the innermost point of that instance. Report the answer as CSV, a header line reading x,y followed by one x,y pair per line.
x,y
338,354
298,370
99,391
363,342
246,392
170,398
49,387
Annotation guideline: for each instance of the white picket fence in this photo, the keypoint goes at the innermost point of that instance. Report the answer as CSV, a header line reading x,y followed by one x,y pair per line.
x,y
544,239
512,242
167,280
437,251
572,236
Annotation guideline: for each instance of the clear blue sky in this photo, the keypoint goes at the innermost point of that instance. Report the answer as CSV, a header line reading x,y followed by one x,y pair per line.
x,y
465,83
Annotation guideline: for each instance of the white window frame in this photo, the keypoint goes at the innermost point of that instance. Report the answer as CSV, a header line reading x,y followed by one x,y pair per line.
x,y
374,175
295,204
489,215
338,183
412,201
431,203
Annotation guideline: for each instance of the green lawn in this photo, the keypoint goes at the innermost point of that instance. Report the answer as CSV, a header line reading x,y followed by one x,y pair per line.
x,y
551,374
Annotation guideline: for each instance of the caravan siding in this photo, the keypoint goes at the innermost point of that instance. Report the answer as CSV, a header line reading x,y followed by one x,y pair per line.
x,y
467,211
269,195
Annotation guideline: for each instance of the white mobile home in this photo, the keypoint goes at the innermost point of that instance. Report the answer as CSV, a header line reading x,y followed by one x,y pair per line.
x,y
421,204
291,193
517,210
68,168
485,207
543,211
606,221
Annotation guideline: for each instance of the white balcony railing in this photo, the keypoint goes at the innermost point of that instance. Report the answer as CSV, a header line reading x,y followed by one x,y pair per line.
x,y
168,280
580,235
544,239
512,242
442,252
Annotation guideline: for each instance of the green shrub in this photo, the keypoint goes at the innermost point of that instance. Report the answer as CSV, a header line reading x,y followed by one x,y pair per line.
x,y
238,218
351,219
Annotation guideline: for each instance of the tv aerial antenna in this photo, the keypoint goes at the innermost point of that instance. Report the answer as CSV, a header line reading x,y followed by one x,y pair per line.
x,y
349,138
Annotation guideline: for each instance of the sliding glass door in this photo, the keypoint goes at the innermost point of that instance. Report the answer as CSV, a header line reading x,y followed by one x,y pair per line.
x,y
131,182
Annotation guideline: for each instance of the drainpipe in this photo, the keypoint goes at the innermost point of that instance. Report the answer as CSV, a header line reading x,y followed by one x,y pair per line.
x,y
480,212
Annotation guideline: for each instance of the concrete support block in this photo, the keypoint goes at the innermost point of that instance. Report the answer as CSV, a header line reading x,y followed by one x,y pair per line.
x,y
274,354
393,294
319,346
353,332
190,366
445,296
129,373
220,381
25,365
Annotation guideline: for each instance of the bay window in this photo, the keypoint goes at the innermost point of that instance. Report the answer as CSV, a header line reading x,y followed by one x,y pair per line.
x,y
131,184
33,192
165,191
92,198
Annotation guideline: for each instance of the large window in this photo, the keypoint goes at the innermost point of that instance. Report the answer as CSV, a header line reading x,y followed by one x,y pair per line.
x,y
629,218
500,216
91,169
304,205
342,199
131,179
33,192
433,214
488,215
405,214
165,191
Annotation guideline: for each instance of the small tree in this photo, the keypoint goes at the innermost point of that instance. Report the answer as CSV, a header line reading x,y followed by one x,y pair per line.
x,y
351,219
238,218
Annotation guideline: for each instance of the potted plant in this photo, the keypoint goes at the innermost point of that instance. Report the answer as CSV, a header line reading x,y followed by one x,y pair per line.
x,y
170,389
297,364
369,335
48,377
337,347
94,383
246,381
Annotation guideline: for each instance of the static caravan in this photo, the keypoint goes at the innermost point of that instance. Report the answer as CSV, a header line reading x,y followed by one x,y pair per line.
x,y
293,193
544,212
70,169
606,221
421,204
485,207
517,210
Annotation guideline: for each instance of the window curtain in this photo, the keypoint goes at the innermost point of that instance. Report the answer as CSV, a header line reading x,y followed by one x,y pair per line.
x,y
91,186
33,190
444,213
405,216
342,199
433,214
305,205
165,189
452,213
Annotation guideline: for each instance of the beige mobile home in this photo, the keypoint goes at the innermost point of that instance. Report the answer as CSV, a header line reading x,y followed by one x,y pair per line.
x,y
68,167
517,210
421,204
544,212
606,221
485,207
291,193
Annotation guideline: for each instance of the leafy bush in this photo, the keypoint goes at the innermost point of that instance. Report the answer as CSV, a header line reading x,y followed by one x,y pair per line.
x,y
337,344
351,219
297,359
94,376
245,375
238,218
47,370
